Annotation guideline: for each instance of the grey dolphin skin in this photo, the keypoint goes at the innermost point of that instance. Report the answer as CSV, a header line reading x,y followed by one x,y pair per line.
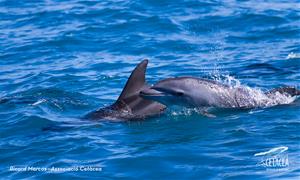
x,y
196,92
129,105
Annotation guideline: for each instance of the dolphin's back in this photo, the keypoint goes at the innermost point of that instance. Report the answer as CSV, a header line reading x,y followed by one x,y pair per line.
x,y
224,96
292,91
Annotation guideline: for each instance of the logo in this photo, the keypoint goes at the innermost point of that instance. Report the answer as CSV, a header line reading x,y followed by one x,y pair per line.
x,y
274,158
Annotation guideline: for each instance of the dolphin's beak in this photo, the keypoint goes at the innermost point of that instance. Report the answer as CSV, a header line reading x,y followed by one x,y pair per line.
x,y
151,92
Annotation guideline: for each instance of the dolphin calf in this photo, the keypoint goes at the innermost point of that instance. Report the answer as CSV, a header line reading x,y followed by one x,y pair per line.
x,y
129,105
199,93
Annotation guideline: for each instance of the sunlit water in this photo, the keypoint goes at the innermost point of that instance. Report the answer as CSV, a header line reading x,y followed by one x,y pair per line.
x,y
62,59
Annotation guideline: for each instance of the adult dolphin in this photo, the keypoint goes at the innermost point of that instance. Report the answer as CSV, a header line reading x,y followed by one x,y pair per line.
x,y
199,93
129,105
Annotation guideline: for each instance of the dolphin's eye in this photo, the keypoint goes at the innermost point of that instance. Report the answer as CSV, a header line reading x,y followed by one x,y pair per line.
x,y
179,93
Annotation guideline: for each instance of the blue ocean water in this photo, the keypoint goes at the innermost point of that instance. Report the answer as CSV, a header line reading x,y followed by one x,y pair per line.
x,y
62,59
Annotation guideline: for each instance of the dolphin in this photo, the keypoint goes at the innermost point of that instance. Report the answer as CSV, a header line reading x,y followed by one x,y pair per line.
x,y
129,105
202,93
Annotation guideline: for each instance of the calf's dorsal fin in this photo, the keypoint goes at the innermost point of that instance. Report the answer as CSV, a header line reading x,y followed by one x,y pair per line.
x,y
136,81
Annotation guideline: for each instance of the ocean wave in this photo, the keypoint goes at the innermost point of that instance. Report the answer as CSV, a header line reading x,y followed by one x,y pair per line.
x,y
61,59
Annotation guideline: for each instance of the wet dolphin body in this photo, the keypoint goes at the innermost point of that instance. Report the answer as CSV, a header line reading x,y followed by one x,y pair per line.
x,y
196,92
129,105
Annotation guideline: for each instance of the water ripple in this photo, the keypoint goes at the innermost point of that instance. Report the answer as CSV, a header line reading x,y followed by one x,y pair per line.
x,y
62,59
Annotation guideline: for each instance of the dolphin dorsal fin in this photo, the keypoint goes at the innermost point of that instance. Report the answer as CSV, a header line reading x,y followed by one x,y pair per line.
x,y
136,81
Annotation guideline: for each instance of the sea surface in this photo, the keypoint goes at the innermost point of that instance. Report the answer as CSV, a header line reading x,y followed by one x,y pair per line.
x,y
60,59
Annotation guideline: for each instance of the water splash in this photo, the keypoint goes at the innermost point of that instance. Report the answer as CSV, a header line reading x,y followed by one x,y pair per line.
x,y
183,111
249,97
230,81
293,55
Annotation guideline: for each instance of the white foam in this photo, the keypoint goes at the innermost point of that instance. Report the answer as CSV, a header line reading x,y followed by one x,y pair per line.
x,y
255,97
293,55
